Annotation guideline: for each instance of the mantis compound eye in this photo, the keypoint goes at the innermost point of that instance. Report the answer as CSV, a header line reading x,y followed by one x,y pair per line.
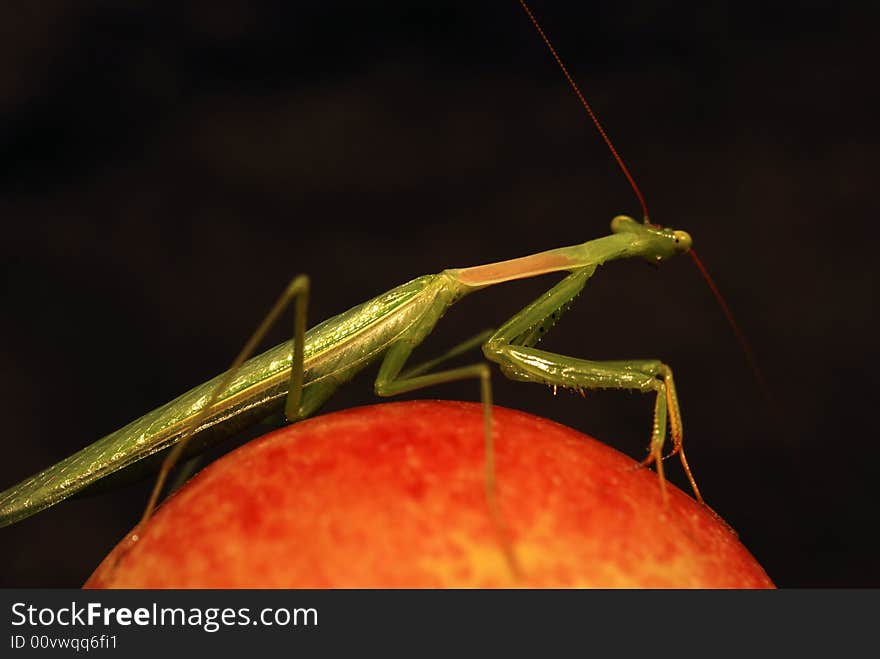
x,y
683,240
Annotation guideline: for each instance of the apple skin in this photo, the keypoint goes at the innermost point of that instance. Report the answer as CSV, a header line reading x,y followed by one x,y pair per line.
x,y
392,496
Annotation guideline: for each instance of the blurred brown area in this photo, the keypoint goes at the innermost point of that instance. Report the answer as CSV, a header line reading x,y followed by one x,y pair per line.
x,y
167,169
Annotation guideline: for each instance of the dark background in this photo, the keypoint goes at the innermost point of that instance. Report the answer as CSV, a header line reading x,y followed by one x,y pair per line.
x,y
166,171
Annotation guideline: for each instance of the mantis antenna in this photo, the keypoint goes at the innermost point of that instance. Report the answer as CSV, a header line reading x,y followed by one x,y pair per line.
x,y
583,100
704,273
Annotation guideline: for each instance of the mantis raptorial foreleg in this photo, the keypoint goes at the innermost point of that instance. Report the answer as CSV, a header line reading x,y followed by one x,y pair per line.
x,y
669,401
511,348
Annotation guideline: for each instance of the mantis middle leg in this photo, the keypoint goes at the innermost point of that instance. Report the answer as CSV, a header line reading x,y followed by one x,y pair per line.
x,y
392,380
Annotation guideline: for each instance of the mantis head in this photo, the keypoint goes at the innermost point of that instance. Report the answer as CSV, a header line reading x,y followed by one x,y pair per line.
x,y
659,243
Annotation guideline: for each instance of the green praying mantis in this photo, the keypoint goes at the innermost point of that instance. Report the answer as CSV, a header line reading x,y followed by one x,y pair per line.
x,y
298,376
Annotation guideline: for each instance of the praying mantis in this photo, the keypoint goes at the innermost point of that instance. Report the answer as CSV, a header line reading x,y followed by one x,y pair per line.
x,y
328,348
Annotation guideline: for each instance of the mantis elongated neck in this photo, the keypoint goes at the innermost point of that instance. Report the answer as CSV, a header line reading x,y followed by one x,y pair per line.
x,y
570,258
629,239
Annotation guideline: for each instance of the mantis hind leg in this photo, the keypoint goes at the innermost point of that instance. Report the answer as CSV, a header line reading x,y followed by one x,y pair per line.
x,y
511,348
297,405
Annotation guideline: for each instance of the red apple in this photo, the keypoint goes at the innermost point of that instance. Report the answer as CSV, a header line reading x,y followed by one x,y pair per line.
x,y
393,496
